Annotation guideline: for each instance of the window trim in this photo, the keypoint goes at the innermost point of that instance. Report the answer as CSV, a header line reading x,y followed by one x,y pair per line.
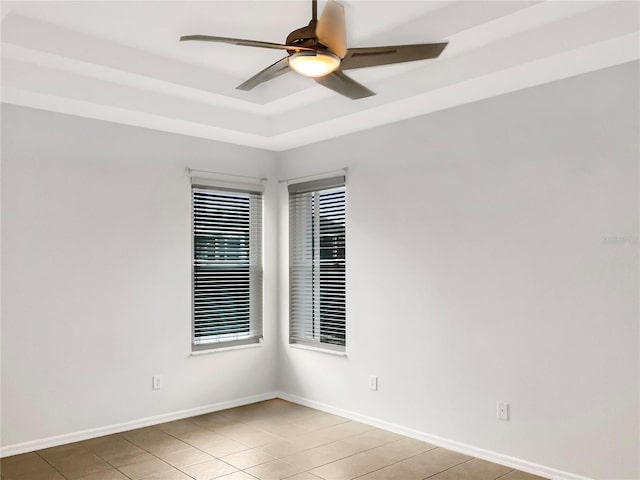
x,y
223,186
199,353
315,348
317,185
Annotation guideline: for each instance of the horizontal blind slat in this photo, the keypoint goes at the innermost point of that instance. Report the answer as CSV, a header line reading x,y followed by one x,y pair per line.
x,y
317,220
227,263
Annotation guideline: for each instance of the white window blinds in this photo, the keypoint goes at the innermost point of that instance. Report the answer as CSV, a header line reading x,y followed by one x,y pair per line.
x,y
317,263
227,266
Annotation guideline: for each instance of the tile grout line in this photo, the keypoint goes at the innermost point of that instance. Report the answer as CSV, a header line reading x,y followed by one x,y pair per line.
x,y
270,433
368,450
343,458
51,465
150,453
159,458
449,468
282,417
346,420
133,463
505,474
197,448
399,461
252,448
462,463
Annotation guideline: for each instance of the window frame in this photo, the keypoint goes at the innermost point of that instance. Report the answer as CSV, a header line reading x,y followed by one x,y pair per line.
x,y
230,188
297,325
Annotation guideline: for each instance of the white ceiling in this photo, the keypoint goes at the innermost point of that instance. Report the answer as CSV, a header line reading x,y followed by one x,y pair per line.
x,y
122,62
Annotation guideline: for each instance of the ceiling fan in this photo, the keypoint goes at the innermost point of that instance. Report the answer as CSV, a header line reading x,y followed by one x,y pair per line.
x,y
319,50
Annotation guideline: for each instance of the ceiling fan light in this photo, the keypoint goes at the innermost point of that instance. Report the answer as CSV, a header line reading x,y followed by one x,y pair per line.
x,y
314,64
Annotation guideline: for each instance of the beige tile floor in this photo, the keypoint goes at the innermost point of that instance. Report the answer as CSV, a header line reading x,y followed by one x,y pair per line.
x,y
268,441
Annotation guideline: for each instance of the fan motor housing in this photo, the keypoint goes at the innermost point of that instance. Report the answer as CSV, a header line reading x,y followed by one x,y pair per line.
x,y
305,37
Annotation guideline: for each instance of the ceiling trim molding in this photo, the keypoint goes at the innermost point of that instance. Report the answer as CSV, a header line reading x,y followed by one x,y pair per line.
x,y
575,62
595,57
494,48
26,98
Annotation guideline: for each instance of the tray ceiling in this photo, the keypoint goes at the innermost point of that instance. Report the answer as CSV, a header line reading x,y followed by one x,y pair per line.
x,y
122,62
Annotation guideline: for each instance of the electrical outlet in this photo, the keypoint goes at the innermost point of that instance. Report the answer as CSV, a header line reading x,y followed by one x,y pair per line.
x,y
503,411
373,382
157,382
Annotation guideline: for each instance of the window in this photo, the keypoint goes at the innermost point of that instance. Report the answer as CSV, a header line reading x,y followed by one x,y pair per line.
x,y
317,263
227,266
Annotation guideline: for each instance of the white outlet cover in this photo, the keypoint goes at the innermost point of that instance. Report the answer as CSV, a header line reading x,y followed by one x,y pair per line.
x,y
503,411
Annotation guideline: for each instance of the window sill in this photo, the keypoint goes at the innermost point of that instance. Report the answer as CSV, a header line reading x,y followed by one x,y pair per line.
x,y
197,353
328,351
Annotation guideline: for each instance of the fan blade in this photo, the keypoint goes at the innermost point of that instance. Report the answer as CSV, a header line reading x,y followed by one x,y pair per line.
x,y
242,42
339,82
279,68
373,56
331,29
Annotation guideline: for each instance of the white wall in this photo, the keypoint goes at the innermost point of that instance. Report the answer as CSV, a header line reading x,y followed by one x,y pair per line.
x,y
96,276
492,254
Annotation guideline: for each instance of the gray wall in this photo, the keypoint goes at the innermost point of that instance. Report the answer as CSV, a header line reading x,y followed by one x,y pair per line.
x,y
492,255
96,276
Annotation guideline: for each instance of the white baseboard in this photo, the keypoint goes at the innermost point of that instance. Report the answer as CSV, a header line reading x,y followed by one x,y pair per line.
x,y
517,463
54,441
495,457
